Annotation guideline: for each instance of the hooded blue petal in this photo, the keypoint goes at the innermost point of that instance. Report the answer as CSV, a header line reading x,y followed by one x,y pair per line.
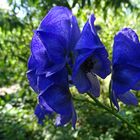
x,y
126,48
91,59
57,21
61,22
89,38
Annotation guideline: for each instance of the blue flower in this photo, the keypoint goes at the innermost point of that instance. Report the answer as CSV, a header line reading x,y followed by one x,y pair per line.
x,y
126,67
51,46
54,39
91,60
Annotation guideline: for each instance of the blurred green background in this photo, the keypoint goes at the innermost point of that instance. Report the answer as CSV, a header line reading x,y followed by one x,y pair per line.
x,y
18,19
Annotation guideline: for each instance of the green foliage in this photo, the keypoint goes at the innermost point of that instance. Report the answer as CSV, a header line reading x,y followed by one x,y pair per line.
x,y
16,110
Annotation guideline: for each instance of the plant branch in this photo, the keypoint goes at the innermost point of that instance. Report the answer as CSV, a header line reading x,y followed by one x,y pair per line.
x,y
114,113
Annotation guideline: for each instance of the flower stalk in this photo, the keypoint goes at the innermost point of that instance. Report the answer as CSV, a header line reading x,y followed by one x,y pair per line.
x,y
114,113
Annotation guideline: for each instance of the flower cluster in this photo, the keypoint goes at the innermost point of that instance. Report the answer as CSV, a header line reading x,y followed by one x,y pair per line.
x,y
60,52
47,73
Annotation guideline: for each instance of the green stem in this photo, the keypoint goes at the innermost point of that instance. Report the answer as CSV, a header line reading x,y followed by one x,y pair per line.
x,y
114,113
83,100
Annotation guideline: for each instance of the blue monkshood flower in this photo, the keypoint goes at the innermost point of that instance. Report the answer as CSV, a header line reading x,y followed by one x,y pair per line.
x,y
54,39
126,67
53,94
51,46
91,60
